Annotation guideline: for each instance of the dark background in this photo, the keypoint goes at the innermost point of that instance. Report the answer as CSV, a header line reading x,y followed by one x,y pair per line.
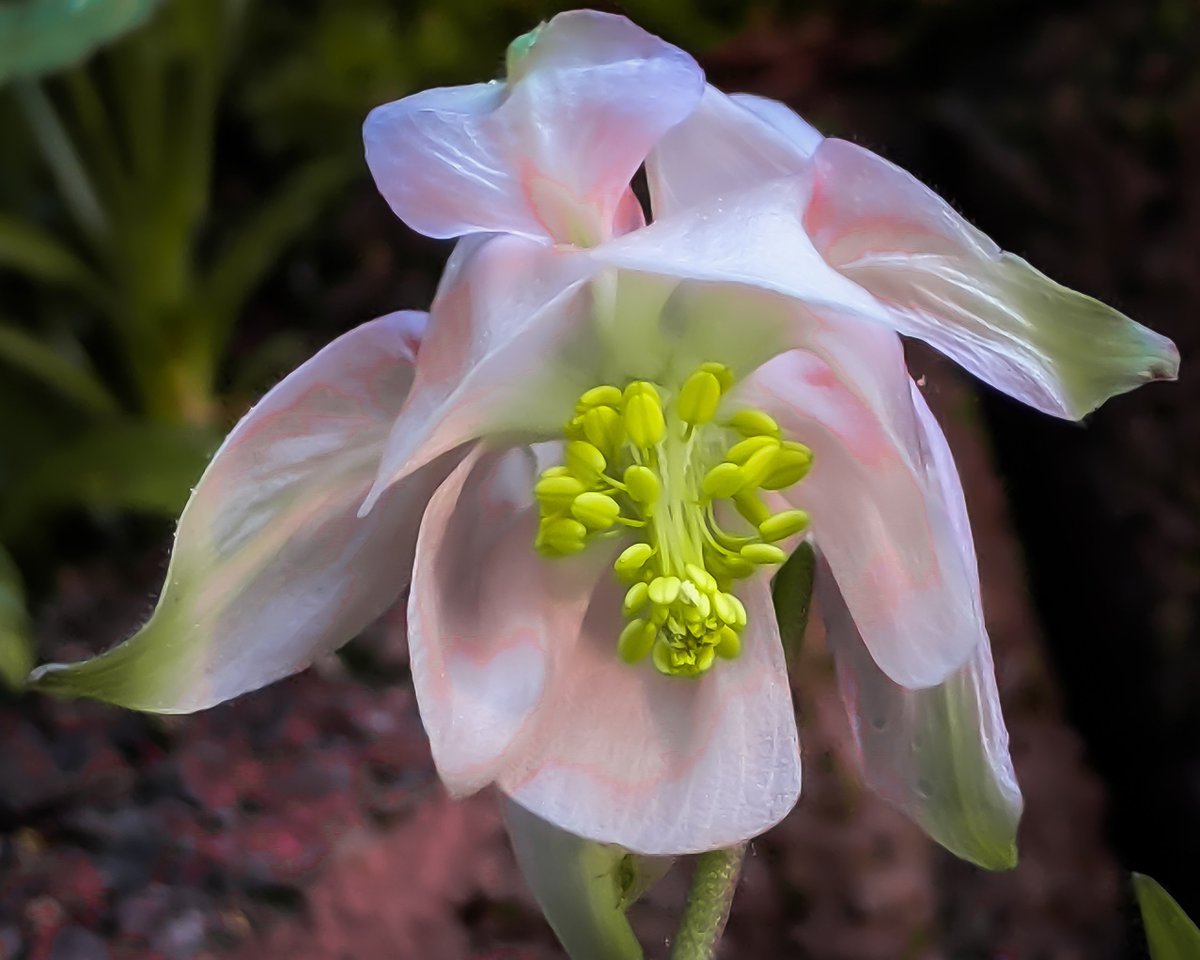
x,y
306,820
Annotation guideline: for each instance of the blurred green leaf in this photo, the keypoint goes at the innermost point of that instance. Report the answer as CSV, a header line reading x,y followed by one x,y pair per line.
x,y
40,255
1169,931
68,379
146,467
792,592
41,36
16,637
257,245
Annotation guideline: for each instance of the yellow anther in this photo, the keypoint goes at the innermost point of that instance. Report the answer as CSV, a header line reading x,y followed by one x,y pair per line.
x,y
754,423
557,492
632,559
724,608
663,656
763,553
704,659
758,465
723,374
664,590
750,506
559,471
743,450
643,484
698,398
602,428
644,423
604,395
700,577
740,618
783,525
597,511
585,461
723,480
562,535
636,640
728,644
635,598
791,465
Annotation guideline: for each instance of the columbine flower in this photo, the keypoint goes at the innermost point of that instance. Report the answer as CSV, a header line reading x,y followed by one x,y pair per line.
x,y
609,435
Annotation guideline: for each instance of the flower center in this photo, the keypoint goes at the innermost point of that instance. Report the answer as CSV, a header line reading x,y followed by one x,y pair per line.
x,y
657,463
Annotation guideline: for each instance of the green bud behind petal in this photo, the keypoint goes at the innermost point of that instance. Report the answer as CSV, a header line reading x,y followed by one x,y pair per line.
x,y
583,887
518,52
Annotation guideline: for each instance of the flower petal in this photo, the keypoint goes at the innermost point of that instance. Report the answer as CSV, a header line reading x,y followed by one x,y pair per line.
x,y
727,144
947,283
484,614
661,765
940,754
507,352
551,152
878,515
271,567
755,238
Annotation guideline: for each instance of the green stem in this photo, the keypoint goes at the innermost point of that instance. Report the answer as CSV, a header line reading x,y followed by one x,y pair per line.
x,y
708,904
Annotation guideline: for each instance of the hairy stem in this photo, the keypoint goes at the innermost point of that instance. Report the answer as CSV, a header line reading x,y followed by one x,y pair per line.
x,y
708,904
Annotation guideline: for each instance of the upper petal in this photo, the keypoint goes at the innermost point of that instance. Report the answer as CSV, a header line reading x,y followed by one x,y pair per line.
x,y
661,765
551,152
940,754
271,567
937,277
878,514
945,282
727,144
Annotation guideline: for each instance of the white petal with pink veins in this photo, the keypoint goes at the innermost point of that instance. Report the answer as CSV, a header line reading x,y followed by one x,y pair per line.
x,y
550,153
271,565
661,765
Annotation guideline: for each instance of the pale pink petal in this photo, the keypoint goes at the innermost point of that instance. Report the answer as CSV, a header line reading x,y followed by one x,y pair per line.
x,y
878,514
726,145
271,566
947,283
940,754
549,154
487,615
936,276
510,348
755,238
661,765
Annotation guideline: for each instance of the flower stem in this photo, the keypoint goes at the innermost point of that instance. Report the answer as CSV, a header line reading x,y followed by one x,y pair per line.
x,y
708,904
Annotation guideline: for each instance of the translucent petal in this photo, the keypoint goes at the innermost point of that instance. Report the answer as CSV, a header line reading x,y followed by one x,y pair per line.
x,y
271,566
878,514
549,154
661,765
934,276
487,615
727,144
510,348
940,754
945,282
